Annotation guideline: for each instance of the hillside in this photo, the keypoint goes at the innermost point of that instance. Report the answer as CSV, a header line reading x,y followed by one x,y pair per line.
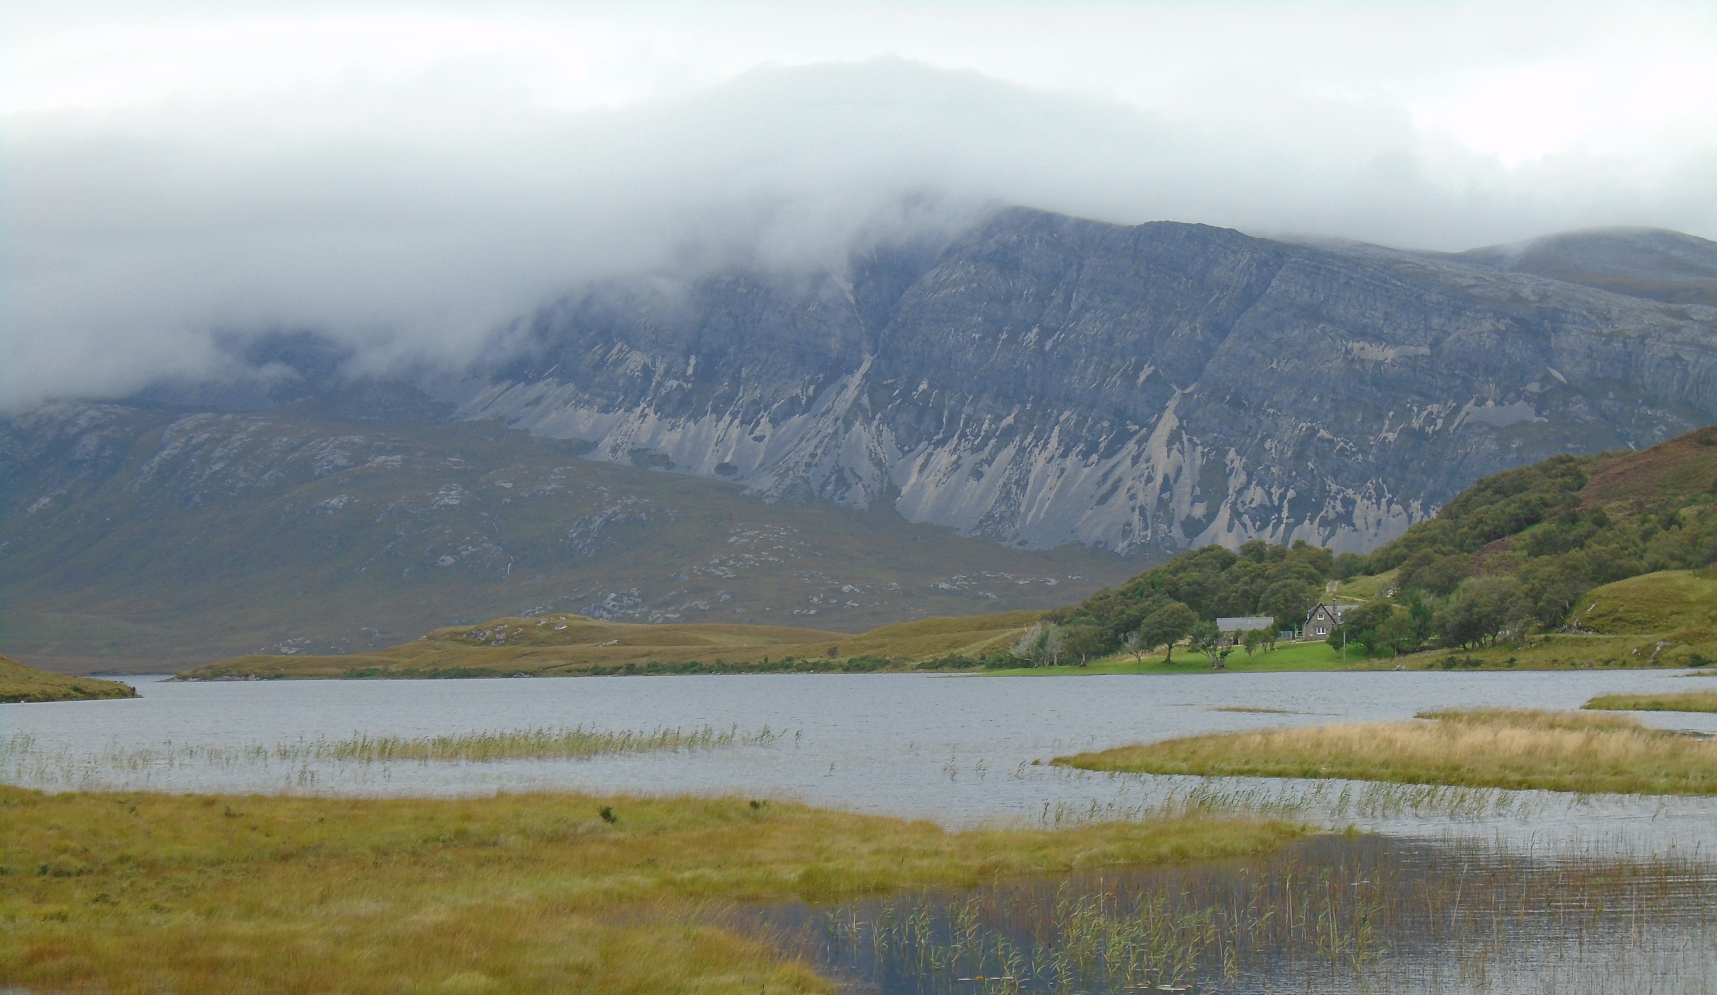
x,y
19,683
143,538
572,645
1590,561
1572,561
1505,569
1569,524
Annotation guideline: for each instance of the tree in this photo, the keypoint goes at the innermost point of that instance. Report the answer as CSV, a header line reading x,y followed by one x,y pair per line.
x,y
1166,626
1398,634
1287,601
1253,641
1435,575
1084,641
1043,642
1421,613
1030,646
1212,642
1054,643
1135,645
1360,626
1479,609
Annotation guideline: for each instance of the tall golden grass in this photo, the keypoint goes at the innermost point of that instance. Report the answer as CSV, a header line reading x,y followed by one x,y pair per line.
x,y
124,893
1496,748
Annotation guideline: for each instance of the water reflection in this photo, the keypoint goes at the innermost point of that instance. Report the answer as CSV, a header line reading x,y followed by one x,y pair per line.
x,y
1336,914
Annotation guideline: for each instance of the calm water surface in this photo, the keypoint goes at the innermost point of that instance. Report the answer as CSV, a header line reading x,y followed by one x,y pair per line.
x,y
959,750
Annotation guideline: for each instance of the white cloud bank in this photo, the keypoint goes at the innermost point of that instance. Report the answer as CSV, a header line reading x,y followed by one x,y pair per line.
x,y
407,181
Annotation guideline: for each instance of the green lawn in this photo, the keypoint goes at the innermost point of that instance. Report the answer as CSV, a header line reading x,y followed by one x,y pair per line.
x,y
1287,656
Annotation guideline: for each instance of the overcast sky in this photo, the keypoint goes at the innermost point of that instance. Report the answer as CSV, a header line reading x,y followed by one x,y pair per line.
x,y
408,177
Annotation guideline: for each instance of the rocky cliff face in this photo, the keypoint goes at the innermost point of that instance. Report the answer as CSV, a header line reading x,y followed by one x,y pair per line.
x,y
1046,380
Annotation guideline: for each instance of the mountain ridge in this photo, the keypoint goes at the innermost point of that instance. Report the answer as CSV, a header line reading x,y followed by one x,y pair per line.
x,y
1046,366
1092,397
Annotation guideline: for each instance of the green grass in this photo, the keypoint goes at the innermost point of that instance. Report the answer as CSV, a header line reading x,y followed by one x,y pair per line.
x,y
1310,656
144,893
1690,701
20,683
1491,748
1662,602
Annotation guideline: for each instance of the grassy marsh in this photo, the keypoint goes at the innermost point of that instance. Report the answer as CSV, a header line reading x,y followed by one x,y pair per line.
x,y
1687,701
140,892
1494,748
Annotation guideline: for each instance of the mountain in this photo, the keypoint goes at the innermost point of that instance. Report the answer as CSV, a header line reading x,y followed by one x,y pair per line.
x,y
942,426
1042,380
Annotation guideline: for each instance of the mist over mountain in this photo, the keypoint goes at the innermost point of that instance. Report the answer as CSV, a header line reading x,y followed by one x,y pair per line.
x,y
1029,385
408,221
1640,262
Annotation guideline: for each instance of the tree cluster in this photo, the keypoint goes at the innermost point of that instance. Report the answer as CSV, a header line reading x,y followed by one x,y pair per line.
x,y
1183,598
1514,552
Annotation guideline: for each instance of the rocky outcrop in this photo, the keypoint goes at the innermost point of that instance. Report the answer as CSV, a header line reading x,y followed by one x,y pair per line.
x,y
1045,380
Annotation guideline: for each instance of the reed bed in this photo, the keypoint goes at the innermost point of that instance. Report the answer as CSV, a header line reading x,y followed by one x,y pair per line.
x,y
1496,748
23,761
1690,701
577,743
1338,914
1319,802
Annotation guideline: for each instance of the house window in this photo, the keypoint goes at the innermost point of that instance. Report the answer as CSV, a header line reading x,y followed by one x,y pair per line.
x,y
1323,632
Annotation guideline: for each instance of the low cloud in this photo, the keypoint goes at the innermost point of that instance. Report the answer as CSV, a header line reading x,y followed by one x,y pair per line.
x,y
409,222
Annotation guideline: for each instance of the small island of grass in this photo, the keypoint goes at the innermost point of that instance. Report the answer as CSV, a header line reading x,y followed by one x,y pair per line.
x,y
1489,748
20,683
1689,701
